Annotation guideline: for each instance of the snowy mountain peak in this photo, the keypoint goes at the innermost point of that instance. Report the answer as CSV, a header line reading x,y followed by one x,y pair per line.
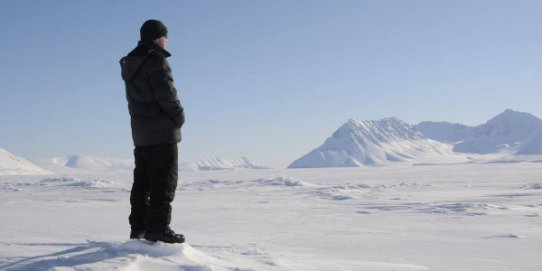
x,y
504,132
11,164
385,130
358,143
515,119
509,132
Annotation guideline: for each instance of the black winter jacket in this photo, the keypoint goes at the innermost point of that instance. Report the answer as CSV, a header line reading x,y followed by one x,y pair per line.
x,y
155,111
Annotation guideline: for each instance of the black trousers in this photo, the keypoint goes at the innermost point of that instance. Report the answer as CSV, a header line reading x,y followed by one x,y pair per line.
x,y
153,190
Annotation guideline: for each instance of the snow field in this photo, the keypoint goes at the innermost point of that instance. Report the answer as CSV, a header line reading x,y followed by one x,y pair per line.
x,y
401,217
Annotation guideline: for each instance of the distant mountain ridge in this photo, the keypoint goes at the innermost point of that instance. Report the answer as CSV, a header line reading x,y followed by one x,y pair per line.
x,y
86,163
220,164
358,143
531,146
354,144
444,131
507,131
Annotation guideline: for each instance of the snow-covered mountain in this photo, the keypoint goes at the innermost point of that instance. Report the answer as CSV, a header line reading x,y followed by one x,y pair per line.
x,y
220,164
444,131
358,143
531,146
511,131
86,163
11,164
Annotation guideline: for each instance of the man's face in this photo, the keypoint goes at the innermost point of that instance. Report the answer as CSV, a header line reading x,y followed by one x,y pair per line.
x,y
162,42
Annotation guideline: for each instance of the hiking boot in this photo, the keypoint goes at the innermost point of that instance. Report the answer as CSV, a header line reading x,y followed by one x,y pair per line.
x,y
168,236
137,234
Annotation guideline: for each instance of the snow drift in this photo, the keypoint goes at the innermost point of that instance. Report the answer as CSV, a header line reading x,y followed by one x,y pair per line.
x,y
132,255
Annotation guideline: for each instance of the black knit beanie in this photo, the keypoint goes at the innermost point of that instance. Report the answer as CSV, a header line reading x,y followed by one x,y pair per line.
x,y
152,29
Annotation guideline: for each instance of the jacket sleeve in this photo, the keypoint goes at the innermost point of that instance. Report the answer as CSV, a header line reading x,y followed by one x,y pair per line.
x,y
165,93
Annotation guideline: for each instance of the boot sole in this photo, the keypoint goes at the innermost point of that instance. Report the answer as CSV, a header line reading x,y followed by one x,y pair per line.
x,y
156,239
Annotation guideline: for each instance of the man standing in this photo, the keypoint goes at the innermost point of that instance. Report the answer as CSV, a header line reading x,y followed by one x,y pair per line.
x,y
156,118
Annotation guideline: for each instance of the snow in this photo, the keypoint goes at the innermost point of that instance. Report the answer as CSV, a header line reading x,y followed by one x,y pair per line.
x,y
85,163
220,164
77,164
388,198
359,143
88,164
511,130
11,164
392,217
281,181
508,137
531,146
138,255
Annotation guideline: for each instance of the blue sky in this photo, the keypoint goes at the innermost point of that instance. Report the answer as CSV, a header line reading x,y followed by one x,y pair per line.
x,y
269,80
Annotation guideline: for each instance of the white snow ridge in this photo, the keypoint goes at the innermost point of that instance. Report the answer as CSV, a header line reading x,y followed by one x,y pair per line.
x,y
11,164
132,255
511,131
220,164
86,163
358,143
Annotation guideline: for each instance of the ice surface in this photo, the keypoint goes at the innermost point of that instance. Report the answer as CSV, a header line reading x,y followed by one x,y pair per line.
x,y
394,217
134,255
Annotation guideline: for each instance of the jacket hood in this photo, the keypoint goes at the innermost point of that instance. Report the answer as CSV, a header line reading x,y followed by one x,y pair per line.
x,y
131,63
129,66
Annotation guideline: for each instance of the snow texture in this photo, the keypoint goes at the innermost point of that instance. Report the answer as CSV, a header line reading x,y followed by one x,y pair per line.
x,y
508,137
516,132
88,164
394,217
531,146
11,164
220,164
359,143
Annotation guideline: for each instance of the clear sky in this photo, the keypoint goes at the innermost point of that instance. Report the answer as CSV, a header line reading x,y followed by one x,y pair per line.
x,y
269,80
